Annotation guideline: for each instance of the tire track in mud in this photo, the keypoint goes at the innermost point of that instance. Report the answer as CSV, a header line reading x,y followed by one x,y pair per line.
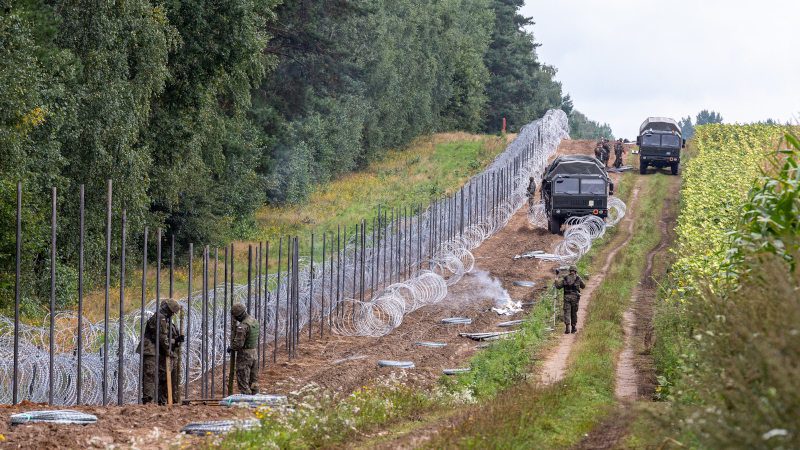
x,y
627,379
634,372
555,363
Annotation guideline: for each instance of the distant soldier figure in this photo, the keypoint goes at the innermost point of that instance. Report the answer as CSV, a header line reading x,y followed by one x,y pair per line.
x,y
245,341
572,285
531,192
619,149
598,152
170,340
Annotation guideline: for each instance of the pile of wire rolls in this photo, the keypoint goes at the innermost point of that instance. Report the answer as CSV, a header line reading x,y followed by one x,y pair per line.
x,y
364,286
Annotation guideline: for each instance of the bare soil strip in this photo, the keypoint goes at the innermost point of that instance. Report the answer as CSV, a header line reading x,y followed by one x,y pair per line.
x,y
635,377
556,362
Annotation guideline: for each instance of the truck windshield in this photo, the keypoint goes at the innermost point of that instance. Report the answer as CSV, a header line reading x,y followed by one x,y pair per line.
x,y
651,139
593,186
670,140
567,186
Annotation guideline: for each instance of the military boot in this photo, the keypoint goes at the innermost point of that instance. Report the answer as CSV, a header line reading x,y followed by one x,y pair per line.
x,y
567,330
574,329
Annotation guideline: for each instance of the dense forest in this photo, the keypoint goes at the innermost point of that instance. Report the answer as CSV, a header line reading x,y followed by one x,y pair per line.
x,y
203,111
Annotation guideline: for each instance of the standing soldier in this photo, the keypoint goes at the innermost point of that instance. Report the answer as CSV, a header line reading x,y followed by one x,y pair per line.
x,y
572,285
598,152
170,341
245,341
531,192
619,149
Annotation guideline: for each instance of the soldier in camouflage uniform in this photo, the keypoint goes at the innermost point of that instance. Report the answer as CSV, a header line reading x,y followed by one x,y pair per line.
x,y
619,149
572,285
170,340
531,192
245,341
598,152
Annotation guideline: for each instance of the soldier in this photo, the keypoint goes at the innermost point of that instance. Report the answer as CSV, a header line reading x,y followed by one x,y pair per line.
x,y
619,149
531,192
245,341
170,341
572,285
598,152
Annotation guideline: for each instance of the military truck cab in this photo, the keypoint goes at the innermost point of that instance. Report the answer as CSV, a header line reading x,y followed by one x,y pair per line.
x,y
660,143
574,185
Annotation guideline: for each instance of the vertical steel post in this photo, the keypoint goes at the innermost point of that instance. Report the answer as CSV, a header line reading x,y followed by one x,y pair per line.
x,y
266,303
311,296
288,290
249,275
355,268
142,322
158,315
322,294
79,374
214,322
225,321
188,323
363,255
121,339
338,275
258,298
15,381
53,300
461,211
277,301
107,303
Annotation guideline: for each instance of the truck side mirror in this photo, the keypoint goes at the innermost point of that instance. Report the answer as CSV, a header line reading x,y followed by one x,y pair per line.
x,y
639,141
684,144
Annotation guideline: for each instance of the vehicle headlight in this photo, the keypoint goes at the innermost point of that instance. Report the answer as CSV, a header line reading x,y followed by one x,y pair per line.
x,y
558,211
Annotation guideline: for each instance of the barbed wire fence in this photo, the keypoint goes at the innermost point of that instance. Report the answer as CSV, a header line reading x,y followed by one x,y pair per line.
x,y
363,284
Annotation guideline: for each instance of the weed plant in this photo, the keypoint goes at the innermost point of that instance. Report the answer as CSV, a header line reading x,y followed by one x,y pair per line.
x,y
743,391
317,419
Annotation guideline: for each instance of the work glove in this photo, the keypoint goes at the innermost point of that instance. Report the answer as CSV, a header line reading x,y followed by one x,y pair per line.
x,y
180,339
229,349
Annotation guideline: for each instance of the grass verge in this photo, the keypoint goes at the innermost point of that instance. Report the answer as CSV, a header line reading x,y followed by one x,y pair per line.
x,y
558,416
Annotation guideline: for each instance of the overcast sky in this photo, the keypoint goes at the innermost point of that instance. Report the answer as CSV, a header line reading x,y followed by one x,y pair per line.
x,y
625,60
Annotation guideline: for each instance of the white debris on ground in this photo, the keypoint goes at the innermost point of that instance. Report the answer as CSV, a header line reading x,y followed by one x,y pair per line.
x,y
509,307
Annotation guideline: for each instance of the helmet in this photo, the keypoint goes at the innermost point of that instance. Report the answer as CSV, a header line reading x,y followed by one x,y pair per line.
x,y
620,139
530,178
573,268
171,307
238,310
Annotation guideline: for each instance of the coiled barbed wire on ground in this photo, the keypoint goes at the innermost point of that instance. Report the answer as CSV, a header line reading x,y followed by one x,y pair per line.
x,y
428,252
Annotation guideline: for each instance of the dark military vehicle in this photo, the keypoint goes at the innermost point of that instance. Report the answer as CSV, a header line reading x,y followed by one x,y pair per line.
x,y
660,144
575,185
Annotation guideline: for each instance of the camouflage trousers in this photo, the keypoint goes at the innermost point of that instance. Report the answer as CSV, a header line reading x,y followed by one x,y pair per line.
x,y
247,371
571,310
618,160
149,381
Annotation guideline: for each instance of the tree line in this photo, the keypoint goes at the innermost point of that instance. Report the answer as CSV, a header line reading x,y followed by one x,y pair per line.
x,y
204,111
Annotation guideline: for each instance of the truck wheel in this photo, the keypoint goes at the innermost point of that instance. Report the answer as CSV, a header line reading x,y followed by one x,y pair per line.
x,y
674,168
642,168
554,225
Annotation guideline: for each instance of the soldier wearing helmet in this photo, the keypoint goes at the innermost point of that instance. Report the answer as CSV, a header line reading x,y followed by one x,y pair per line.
x,y
170,340
245,342
572,285
531,191
619,149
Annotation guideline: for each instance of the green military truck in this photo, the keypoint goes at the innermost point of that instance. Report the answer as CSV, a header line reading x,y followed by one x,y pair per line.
x,y
660,143
574,185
